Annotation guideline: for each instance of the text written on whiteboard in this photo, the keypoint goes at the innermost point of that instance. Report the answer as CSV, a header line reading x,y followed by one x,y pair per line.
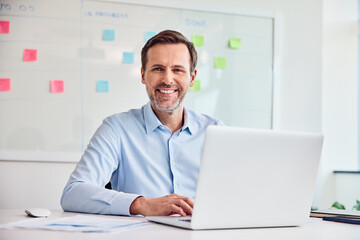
x,y
22,7
193,22
106,14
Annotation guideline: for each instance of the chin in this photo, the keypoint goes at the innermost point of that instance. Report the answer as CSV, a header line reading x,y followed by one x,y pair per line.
x,y
167,108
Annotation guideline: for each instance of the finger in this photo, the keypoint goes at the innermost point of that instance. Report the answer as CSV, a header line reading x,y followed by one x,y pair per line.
x,y
174,195
182,212
189,201
186,199
185,207
177,210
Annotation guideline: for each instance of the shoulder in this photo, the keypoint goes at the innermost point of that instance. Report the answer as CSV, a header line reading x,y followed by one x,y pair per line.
x,y
125,118
202,120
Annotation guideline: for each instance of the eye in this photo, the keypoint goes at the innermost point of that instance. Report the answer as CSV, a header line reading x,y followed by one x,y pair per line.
x,y
178,70
157,69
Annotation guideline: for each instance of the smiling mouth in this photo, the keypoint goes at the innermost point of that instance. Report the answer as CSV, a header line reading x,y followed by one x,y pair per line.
x,y
167,91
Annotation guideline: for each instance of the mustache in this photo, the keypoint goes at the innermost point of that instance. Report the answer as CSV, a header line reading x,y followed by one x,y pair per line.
x,y
164,85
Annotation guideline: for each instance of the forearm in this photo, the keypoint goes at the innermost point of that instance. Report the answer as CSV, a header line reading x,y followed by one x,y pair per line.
x,y
83,197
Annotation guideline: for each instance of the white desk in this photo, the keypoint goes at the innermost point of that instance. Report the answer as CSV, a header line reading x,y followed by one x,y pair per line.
x,y
315,229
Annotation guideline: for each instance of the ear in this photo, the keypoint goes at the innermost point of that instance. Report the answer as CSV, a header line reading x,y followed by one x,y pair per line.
x,y
142,75
193,76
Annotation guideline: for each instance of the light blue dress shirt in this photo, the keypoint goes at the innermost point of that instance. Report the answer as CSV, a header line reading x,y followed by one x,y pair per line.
x,y
141,157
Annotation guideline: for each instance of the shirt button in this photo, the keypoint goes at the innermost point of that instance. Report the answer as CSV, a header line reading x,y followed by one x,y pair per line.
x,y
176,186
173,162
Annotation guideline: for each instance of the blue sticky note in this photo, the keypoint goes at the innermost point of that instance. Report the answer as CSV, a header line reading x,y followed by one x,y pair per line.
x,y
102,86
108,35
149,35
128,57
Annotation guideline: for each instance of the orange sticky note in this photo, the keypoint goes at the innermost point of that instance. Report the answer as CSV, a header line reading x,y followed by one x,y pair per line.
x,y
4,27
57,86
4,84
30,55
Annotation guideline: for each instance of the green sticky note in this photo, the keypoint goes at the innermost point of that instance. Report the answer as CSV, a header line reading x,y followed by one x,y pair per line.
x,y
198,40
220,62
235,43
196,87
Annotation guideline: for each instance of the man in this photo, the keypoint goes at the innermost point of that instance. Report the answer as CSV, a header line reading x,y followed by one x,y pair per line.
x,y
151,155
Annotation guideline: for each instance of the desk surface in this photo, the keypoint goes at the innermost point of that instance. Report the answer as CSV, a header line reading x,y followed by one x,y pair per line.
x,y
315,229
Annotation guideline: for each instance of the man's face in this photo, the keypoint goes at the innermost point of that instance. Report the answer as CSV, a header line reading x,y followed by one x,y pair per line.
x,y
167,76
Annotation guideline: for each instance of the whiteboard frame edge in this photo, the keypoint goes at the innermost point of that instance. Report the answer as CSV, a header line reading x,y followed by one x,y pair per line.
x,y
276,98
198,7
32,156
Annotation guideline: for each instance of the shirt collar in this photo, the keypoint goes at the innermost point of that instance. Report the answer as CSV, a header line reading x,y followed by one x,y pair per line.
x,y
188,122
152,122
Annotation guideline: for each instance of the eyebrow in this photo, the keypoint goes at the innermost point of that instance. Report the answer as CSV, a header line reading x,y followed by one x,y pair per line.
x,y
174,66
157,65
178,66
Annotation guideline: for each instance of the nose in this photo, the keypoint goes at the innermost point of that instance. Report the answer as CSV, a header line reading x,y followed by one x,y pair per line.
x,y
168,77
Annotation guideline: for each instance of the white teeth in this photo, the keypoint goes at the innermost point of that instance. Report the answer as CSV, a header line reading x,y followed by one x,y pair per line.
x,y
166,91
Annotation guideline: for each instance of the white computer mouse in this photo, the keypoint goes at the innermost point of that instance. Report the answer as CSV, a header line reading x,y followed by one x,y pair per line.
x,y
38,212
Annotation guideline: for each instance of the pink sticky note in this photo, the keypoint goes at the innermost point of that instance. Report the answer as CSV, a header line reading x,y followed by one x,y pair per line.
x,y
4,26
4,84
57,86
30,55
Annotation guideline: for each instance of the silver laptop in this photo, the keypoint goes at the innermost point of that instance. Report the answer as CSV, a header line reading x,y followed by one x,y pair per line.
x,y
253,178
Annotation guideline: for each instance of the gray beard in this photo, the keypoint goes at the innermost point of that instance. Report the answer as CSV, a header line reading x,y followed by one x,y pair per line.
x,y
167,110
171,109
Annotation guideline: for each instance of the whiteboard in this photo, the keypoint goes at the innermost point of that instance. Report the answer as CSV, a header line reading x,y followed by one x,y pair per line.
x,y
72,47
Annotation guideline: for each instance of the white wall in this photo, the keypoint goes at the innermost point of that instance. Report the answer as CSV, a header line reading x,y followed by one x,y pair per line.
x,y
299,108
32,184
340,96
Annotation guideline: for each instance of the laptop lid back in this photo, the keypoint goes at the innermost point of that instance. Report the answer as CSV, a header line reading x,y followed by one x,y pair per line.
x,y
255,178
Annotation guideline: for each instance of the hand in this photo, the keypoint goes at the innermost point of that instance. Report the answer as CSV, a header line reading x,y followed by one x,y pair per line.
x,y
162,206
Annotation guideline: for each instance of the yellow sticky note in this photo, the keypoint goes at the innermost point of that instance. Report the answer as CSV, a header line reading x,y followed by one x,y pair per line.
x,y
196,87
220,62
198,40
235,43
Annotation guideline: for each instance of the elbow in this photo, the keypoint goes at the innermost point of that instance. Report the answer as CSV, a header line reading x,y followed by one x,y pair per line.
x,y
65,200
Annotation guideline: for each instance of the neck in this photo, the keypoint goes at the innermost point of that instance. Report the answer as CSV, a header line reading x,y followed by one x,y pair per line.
x,y
174,120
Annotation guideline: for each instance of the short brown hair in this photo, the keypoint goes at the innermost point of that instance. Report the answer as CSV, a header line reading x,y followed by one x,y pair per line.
x,y
169,37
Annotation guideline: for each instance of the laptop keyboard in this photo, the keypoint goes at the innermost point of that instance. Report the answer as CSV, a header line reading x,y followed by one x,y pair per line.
x,y
185,220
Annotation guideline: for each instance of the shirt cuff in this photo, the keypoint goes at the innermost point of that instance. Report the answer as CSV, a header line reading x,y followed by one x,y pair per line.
x,y
121,203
